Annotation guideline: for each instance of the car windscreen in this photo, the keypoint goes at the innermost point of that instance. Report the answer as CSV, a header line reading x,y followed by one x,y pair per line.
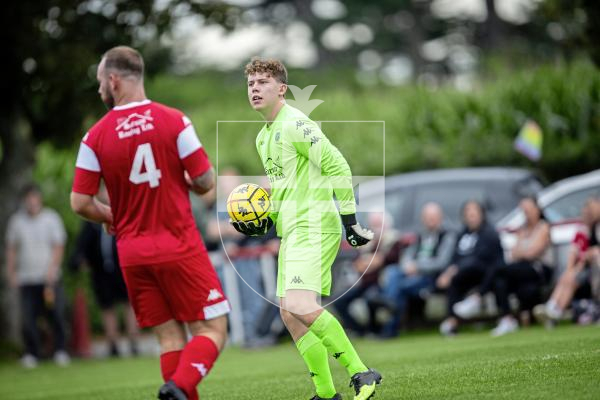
x,y
569,206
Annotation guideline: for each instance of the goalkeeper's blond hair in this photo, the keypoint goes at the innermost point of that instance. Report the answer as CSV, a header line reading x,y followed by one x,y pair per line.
x,y
269,65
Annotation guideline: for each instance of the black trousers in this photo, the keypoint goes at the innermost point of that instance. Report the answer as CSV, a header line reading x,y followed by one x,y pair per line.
x,y
523,278
32,307
464,280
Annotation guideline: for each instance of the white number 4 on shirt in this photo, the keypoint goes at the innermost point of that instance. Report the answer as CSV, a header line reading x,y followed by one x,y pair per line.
x,y
144,160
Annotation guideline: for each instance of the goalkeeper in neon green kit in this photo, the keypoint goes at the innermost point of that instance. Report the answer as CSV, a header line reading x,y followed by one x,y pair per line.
x,y
305,170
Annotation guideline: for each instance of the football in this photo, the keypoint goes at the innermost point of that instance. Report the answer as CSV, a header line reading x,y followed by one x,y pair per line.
x,y
248,202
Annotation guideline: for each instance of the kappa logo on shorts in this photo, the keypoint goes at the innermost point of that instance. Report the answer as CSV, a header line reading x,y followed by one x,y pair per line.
x,y
297,279
214,294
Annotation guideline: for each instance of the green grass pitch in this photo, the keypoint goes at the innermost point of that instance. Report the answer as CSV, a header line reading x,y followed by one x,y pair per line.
x,y
530,364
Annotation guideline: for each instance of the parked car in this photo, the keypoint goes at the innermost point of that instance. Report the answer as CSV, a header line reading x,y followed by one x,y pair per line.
x,y
561,203
499,189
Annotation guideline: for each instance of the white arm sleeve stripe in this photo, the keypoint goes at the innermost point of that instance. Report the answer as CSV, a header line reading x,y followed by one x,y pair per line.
x,y
186,120
187,142
86,158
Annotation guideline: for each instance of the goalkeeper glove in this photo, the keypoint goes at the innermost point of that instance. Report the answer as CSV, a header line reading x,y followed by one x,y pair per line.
x,y
252,228
356,235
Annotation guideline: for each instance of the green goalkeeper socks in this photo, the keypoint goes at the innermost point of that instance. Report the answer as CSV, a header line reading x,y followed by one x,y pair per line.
x,y
315,356
333,337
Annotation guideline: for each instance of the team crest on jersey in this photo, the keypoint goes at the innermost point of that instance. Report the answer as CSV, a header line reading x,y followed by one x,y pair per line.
x,y
135,124
274,169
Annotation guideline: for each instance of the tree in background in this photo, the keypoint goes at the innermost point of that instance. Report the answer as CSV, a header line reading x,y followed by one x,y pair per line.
x,y
51,48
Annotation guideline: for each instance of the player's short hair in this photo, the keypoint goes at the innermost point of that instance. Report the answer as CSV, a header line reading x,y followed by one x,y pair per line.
x,y
268,65
124,60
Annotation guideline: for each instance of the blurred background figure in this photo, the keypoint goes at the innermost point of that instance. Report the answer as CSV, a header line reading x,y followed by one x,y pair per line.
x,y
35,241
477,249
243,284
246,254
369,263
528,270
98,250
418,267
583,258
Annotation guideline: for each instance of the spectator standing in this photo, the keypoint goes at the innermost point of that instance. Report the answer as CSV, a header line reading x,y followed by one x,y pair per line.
x,y
477,249
528,270
35,240
418,267
98,250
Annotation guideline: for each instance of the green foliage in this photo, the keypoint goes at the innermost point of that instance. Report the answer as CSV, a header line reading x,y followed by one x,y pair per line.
x,y
530,364
53,47
54,173
424,128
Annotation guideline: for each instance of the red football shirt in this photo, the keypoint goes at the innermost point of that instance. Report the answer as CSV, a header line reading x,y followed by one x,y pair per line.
x,y
581,241
141,151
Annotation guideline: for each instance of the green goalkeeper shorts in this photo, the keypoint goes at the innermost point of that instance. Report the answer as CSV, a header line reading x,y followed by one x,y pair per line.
x,y
305,262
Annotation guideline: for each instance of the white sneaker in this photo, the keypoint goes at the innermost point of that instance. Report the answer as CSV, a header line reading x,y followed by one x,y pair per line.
x,y
506,325
28,361
61,358
448,328
540,312
469,307
553,311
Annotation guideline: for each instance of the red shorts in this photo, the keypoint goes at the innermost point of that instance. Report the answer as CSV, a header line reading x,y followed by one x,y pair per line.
x,y
184,290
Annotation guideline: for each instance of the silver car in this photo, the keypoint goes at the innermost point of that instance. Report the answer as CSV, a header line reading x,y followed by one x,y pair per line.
x,y
561,203
402,196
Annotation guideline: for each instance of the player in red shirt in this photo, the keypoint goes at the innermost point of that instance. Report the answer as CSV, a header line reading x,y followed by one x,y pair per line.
x,y
150,157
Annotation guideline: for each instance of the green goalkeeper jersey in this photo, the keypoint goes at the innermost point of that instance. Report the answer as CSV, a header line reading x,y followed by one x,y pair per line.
x,y
305,170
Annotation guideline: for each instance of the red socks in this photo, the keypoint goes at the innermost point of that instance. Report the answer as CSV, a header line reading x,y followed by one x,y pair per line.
x,y
197,358
168,364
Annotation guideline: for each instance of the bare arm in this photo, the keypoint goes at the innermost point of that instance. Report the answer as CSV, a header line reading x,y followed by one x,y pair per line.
x,y
11,264
538,244
203,183
58,252
90,208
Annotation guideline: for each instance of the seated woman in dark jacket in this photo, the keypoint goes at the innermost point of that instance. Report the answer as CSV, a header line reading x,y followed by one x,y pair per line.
x,y
527,271
477,249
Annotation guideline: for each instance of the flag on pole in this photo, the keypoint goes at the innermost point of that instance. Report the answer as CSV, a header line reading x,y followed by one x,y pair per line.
x,y
529,141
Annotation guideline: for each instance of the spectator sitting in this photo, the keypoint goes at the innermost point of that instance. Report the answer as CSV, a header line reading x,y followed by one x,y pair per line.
x,y
418,267
527,272
35,240
593,255
477,249
369,263
584,249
